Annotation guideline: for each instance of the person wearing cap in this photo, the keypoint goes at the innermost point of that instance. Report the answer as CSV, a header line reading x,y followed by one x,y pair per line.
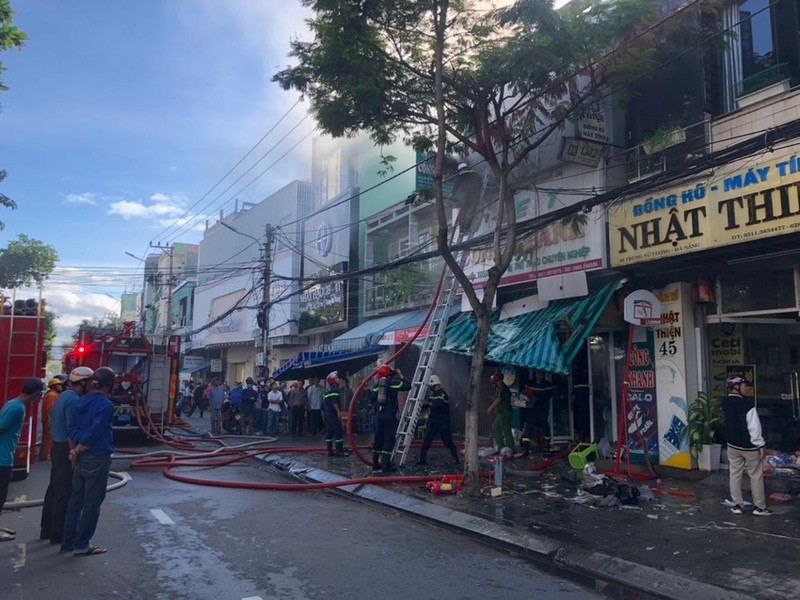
x,y
746,447
503,413
12,415
384,402
89,427
54,388
59,489
298,401
438,404
249,399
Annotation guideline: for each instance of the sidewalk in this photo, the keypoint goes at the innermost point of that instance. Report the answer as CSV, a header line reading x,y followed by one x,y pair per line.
x,y
675,546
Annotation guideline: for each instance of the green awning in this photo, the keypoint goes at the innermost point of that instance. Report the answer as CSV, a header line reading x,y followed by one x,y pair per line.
x,y
546,339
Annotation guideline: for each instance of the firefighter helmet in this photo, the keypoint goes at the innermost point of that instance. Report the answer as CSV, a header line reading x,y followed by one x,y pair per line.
x,y
79,374
434,380
104,377
53,382
496,377
332,378
383,371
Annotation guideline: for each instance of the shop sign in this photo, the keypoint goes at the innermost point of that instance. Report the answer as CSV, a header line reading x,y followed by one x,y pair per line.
x,y
215,365
642,416
580,152
592,125
570,246
399,336
670,353
193,362
323,303
752,203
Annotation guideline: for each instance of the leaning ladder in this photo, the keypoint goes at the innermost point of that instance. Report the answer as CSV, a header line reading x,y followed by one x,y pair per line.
x,y
427,360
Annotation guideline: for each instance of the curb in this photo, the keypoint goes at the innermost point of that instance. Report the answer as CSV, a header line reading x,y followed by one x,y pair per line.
x,y
603,568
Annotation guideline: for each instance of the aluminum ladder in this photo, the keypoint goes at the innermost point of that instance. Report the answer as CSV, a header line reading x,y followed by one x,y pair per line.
x,y
427,360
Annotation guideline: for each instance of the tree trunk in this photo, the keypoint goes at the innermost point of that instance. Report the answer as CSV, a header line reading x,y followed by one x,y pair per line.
x,y
472,484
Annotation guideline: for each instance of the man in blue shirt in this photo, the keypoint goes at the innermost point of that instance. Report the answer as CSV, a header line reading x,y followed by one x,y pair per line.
x,y
89,429
12,416
59,489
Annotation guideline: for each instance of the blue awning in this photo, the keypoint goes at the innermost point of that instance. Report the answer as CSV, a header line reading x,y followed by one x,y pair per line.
x,y
318,364
365,335
546,339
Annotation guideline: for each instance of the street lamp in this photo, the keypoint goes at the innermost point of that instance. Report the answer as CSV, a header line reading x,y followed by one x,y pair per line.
x,y
263,315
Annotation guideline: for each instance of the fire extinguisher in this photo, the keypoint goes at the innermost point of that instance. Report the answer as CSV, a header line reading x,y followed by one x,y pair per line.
x,y
440,488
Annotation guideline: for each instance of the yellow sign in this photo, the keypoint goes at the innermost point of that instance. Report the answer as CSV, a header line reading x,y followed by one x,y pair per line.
x,y
754,202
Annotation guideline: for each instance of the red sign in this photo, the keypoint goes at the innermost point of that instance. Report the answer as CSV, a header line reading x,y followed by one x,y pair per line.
x,y
398,336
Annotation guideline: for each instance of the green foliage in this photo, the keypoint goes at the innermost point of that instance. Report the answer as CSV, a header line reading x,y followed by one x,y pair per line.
x,y
50,332
107,324
26,261
5,200
705,417
10,36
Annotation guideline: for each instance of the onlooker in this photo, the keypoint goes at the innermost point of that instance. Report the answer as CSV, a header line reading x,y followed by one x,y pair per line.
x,y
89,428
438,403
235,395
297,400
199,396
59,489
249,399
315,393
216,396
745,447
503,413
54,389
274,408
12,415
185,394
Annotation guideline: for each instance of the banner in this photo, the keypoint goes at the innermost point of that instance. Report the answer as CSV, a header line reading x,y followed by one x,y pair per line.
x,y
642,417
752,203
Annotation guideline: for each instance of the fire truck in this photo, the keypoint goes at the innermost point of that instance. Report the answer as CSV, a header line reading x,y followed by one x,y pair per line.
x,y
147,367
22,329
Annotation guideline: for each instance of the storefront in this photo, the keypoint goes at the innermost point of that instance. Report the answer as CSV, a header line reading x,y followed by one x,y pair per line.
x,y
729,244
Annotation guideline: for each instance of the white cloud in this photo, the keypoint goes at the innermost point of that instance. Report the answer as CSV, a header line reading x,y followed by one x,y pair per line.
x,y
158,206
84,198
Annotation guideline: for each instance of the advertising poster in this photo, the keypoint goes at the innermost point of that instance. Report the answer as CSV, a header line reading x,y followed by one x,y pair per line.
x,y
642,417
725,348
670,346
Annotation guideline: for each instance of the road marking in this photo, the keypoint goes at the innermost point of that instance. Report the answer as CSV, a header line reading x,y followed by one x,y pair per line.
x,y
253,598
20,559
161,516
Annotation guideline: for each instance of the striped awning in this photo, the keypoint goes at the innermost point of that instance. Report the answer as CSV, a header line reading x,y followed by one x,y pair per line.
x,y
546,339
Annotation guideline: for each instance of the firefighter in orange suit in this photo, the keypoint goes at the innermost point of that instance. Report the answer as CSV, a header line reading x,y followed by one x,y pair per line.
x,y
54,388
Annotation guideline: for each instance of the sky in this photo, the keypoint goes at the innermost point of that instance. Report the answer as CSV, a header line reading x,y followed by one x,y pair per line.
x,y
122,116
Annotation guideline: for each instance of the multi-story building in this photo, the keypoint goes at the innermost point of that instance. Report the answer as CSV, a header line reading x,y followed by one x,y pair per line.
x,y
231,285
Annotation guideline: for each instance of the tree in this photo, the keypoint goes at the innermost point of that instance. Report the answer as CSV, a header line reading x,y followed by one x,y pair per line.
x,y
10,37
108,323
26,261
452,76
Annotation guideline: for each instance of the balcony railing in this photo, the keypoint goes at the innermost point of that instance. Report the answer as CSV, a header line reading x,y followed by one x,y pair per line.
x,y
668,150
762,79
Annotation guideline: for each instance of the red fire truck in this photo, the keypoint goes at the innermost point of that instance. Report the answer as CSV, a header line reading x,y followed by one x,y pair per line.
x,y
22,328
147,367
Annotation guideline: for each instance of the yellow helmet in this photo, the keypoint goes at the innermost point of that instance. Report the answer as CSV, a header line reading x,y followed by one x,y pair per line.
x,y
54,382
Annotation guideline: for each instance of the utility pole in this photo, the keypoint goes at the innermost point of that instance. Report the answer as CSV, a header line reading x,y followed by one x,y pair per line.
x,y
171,248
263,315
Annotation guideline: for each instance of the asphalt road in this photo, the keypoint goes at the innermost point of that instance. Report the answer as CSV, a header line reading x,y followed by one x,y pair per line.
x,y
169,540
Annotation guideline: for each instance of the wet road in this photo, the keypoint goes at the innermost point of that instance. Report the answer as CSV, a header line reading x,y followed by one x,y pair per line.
x,y
169,540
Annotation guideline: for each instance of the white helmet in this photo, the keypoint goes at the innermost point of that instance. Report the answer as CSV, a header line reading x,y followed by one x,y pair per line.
x,y
80,374
434,380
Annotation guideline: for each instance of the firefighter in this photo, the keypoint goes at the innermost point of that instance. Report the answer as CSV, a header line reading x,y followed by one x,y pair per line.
x,y
438,422
543,391
332,410
383,399
503,413
54,388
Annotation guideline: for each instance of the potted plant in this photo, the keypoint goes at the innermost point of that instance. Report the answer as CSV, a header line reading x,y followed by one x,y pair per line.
x,y
705,417
663,138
